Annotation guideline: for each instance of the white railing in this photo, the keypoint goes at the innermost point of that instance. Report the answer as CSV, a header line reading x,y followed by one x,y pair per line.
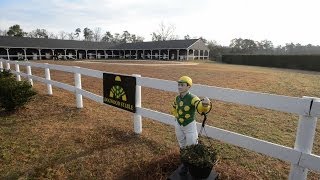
x,y
308,109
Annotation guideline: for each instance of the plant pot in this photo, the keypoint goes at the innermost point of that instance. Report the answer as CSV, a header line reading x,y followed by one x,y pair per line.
x,y
199,172
200,159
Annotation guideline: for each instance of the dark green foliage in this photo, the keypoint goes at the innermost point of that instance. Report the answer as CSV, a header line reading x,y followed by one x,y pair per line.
x,y
5,74
13,94
304,62
199,155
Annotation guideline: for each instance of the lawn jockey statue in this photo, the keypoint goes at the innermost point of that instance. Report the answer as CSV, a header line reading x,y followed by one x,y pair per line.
x,y
184,109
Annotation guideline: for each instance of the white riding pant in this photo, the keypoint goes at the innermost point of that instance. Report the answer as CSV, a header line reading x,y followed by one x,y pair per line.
x,y
186,135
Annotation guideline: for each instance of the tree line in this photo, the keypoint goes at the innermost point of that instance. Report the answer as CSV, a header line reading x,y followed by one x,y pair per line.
x,y
87,34
167,32
264,47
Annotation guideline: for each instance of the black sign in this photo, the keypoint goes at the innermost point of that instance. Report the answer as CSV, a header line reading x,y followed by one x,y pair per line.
x,y
120,91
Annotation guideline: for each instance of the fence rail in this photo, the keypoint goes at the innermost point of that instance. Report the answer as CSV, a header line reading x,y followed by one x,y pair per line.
x,y
308,109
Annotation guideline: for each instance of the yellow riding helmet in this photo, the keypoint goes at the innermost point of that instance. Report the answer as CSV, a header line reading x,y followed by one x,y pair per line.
x,y
185,79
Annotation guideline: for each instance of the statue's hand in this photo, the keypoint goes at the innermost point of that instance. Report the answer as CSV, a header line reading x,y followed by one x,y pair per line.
x,y
206,102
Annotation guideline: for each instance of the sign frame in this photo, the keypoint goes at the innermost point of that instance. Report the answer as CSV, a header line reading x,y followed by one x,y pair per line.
x,y
120,91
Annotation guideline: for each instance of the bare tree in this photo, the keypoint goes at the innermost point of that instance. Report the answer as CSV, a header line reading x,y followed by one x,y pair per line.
x,y
38,33
3,32
97,34
164,33
53,36
71,36
62,35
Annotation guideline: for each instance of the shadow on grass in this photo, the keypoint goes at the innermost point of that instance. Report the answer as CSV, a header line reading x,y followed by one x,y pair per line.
x,y
99,141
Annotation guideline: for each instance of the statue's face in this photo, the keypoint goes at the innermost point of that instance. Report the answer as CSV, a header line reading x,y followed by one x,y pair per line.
x,y
183,87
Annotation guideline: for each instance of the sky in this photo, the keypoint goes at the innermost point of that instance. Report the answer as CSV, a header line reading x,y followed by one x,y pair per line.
x,y
280,21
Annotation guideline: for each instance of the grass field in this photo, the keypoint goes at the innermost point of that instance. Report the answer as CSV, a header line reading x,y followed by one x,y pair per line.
x,y
50,138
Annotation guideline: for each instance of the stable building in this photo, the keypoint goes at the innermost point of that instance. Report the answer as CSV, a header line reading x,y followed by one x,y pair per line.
x,y
23,48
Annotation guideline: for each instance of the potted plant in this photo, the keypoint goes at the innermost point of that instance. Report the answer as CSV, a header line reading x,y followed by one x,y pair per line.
x,y
200,159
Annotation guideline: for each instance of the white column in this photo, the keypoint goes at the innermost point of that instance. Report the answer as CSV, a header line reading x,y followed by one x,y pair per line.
x,y
105,54
8,55
137,54
76,54
86,54
39,54
193,54
151,54
168,54
65,54
130,55
304,142
137,120
112,54
187,54
199,51
48,77
25,54
29,74
96,54
178,54
203,54
77,83
208,54
18,71
159,54
143,54
52,53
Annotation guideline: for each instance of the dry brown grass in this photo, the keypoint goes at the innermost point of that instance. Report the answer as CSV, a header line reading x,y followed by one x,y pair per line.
x,y
50,138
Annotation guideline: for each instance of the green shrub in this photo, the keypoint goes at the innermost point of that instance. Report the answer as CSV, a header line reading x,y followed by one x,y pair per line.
x,y
5,74
13,94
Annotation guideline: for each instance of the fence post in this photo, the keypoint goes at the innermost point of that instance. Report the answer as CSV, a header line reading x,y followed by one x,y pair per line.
x,y
1,65
18,71
48,77
8,65
77,83
29,74
137,122
304,142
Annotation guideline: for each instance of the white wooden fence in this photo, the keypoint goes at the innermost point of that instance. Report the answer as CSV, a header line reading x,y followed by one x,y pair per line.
x,y
308,109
